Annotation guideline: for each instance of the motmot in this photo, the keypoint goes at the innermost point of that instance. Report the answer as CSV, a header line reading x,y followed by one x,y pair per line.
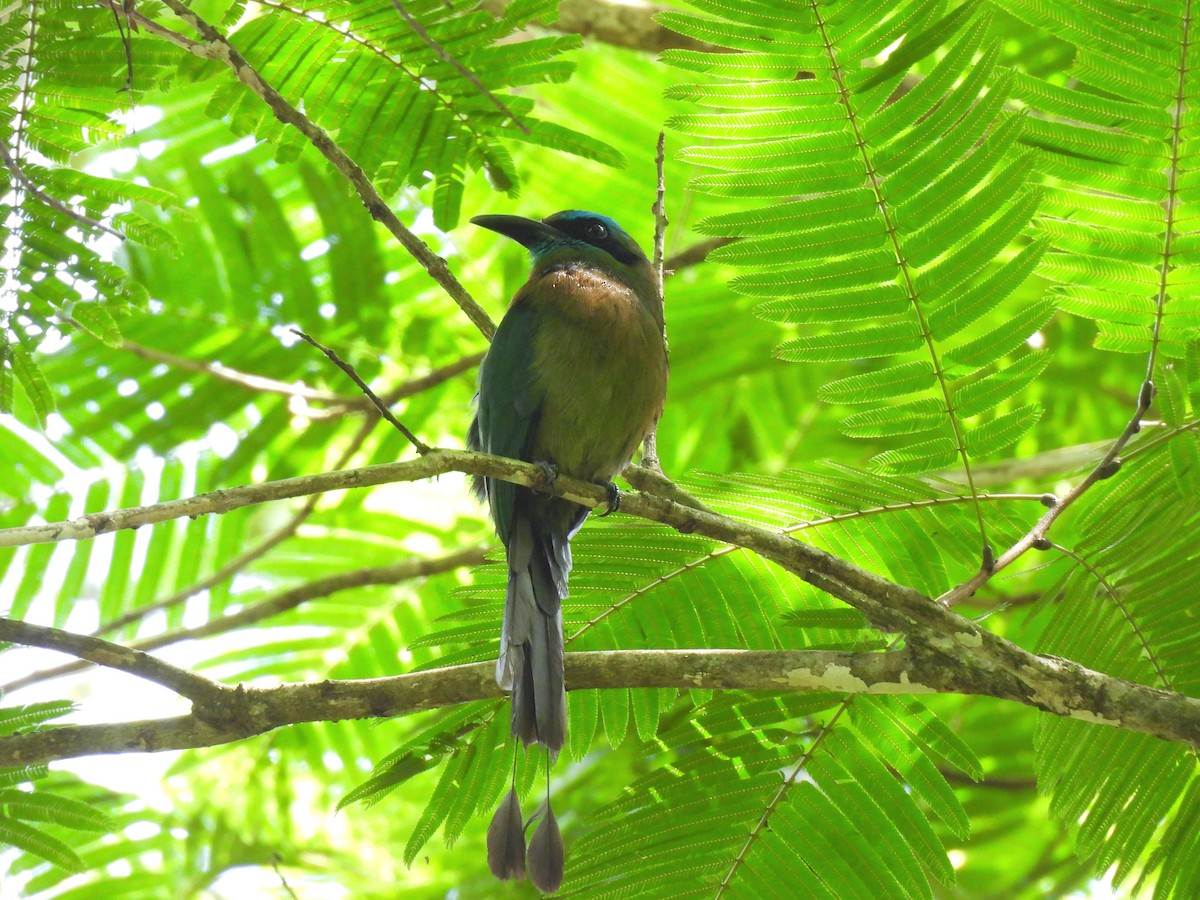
x,y
575,379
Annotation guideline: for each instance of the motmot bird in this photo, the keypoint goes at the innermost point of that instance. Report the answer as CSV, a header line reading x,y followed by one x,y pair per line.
x,y
575,379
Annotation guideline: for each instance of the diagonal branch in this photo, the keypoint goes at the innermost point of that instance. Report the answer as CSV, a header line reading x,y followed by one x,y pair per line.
x,y
695,254
1108,466
45,199
975,659
1110,463
622,24
381,407
277,604
247,380
187,684
214,46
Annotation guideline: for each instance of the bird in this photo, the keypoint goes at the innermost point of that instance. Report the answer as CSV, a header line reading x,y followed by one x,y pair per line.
x,y
574,381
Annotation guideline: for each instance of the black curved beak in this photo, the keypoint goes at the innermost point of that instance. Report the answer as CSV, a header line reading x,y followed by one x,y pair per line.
x,y
529,233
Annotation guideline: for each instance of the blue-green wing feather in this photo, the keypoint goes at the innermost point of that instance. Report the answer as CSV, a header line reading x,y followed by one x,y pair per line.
x,y
508,408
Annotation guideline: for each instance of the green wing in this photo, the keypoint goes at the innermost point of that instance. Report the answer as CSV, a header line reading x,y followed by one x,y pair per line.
x,y
509,404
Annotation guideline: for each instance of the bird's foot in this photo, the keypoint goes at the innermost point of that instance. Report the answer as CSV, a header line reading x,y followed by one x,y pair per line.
x,y
614,498
549,476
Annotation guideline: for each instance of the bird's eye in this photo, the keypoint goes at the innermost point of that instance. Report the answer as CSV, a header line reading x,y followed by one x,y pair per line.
x,y
595,231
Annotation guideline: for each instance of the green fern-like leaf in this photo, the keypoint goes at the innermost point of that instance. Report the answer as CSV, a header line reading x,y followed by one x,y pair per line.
x,y
1121,611
46,806
60,81
887,212
38,843
398,106
723,813
1116,146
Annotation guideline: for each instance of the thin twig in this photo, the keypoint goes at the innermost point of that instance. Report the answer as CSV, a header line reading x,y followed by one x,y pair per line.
x,y
127,41
650,445
466,73
46,200
421,447
658,484
247,380
695,254
280,603
1157,440
276,859
216,47
408,388
989,782
151,27
1107,467
187,684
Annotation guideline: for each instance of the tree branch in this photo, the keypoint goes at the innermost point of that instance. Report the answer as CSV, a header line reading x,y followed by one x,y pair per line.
x,y
247,380
650,459
1108,466
196,688
246,712
969,658
216,47
380,407
628,25
417,567
437,462
26,183
695,254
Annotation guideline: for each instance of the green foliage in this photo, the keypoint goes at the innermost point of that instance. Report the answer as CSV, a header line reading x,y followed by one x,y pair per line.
x,y
1118,150
399,107
61,89
718,803
865,244
29,809
951,212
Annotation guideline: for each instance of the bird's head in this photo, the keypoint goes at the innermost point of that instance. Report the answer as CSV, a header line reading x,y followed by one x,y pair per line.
x,y
570,236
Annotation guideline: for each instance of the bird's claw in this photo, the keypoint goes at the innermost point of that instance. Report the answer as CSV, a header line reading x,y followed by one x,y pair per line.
x,y
613,497
549,476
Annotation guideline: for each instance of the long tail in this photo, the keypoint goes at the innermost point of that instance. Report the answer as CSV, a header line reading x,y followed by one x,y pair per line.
x,y
531,640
